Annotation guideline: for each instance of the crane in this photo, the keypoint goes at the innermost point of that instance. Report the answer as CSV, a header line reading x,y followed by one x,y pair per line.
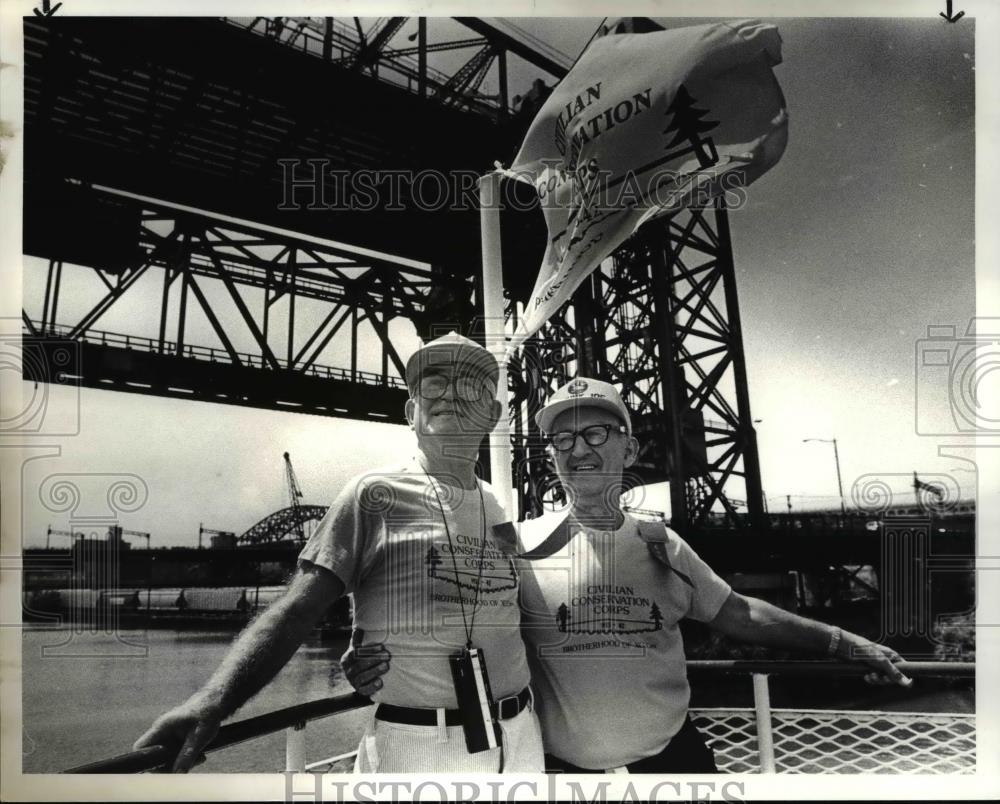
x,y
294,495
224,535
55,532
117,531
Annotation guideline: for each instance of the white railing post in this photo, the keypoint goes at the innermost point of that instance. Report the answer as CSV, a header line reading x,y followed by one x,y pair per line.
x,y
295,748
765,738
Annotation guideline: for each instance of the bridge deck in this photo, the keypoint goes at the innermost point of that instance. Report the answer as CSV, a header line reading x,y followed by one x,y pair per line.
x,y
199,112
141,365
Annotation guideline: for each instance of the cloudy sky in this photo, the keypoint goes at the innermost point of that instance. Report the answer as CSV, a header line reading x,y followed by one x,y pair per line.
x,y
856,242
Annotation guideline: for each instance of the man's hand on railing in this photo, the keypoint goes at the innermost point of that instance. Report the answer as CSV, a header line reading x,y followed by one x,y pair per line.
x,y
363,665
750,619
192,726
855,648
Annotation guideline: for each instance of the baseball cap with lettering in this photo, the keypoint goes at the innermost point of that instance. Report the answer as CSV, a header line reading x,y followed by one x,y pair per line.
x,y
454,350
583,392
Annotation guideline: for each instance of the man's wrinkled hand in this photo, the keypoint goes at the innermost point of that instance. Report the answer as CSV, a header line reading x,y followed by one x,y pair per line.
x,y
364,665
192,726
881,659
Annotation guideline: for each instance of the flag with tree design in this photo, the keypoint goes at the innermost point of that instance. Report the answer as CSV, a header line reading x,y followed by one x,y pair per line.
x,y
603,161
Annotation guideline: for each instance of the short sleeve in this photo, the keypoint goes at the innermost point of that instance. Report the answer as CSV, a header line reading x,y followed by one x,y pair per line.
x,y
346,539
710,591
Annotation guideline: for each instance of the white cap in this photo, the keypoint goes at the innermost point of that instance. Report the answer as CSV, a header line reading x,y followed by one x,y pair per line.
x,y
455,350
583,392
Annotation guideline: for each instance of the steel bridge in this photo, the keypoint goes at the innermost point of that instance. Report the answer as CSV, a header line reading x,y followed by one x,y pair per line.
x,y
142,155
217,163
284,524
216,123
256,272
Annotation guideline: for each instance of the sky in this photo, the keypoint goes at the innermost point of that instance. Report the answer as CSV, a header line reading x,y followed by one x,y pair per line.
x,y
858,240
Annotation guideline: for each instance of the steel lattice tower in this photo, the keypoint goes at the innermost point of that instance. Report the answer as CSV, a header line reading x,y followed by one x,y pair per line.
x,y
661,319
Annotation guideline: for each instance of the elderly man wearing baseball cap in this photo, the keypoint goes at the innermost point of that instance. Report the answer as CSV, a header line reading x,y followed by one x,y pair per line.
x,y
415,545
602,595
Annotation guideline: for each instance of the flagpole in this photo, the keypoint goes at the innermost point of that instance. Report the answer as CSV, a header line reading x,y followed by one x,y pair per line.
x,y
489,228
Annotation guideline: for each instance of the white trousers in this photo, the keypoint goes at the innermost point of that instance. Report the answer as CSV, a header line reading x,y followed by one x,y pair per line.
x,y
401,748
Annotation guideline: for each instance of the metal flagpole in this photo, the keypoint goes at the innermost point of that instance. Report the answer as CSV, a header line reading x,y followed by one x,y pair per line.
x,y
489,227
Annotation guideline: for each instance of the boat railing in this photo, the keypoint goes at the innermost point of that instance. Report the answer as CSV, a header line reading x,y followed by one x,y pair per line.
x,y
757,740
292,720
770,740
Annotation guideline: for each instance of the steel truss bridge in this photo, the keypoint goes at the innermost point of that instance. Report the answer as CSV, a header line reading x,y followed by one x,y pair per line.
x,y
192,164
192,251
217,124
196,144
284,524
346,44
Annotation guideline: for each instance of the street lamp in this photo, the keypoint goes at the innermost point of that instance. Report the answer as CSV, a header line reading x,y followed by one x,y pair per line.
x,y
836,458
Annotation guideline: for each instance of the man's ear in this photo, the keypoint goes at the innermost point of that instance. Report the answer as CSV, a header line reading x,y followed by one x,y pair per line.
x,y
496,411
631,451
408,409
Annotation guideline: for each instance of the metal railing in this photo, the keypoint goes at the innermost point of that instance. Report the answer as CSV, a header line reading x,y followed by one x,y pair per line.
x,y
213,355
292,720
766,740
761,739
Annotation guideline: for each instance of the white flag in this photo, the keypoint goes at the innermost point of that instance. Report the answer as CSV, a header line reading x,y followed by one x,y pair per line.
x,y
645,124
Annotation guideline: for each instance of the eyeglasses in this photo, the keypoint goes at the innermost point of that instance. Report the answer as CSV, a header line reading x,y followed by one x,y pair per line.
x,y
593,436
468,389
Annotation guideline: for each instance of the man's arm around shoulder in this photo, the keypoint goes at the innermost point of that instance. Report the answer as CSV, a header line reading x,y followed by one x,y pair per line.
x,y
254,659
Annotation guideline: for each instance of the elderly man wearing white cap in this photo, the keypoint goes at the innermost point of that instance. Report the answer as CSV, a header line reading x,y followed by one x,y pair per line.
x,y
603,598
431,582
602,594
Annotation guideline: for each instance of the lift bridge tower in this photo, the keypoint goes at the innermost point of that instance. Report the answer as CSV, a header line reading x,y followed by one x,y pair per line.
x,y
660,319
158,172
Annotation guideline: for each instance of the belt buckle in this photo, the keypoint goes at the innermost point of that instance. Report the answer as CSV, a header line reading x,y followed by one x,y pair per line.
x,y
502,706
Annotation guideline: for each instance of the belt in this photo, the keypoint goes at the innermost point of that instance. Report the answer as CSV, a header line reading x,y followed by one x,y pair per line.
x,y
504,709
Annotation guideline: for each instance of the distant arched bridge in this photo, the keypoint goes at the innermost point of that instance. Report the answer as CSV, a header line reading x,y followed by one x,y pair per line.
x,y
283,524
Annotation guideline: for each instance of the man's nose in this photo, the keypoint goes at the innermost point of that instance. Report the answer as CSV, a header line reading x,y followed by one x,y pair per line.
x,y
581,447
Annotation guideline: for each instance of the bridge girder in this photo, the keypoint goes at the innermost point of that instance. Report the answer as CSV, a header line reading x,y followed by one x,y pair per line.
x,y
355,299
282,525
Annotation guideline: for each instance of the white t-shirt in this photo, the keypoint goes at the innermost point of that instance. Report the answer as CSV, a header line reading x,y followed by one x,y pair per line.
x,y
385,538
600,621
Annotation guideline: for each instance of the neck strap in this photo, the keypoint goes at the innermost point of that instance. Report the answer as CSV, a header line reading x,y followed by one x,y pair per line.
x,y
469,624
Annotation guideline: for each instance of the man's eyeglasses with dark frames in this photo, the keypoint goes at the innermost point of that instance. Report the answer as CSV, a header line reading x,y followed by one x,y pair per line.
x,y
468,389
593,436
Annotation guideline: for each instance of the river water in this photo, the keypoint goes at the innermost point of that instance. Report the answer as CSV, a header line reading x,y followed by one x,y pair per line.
x,y
88,695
